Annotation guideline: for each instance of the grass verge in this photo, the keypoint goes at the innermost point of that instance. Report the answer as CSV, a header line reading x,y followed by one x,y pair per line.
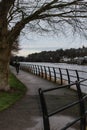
x,y
16,92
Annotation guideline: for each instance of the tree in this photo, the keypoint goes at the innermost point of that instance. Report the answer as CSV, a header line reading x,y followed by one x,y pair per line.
x,y
37,15
15,46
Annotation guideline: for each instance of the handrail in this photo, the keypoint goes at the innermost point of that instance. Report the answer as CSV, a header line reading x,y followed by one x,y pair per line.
x,y
22,63
55,74
80,101
62,74
44,110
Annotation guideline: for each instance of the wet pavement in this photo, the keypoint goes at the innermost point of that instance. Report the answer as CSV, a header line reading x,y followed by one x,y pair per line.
x,y
26,114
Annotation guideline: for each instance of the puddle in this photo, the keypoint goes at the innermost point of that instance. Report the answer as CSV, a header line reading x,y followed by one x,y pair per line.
x,y
56,123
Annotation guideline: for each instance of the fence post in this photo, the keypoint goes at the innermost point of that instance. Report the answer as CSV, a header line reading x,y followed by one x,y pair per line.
x,y
41,71
32,69
45,72
61,78
38,70
54,74
49,73
82,107
35,69
77,75
44,110
68,76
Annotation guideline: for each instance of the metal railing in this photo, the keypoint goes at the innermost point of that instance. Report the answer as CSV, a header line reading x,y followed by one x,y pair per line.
x,y
61,76
80,101
55,74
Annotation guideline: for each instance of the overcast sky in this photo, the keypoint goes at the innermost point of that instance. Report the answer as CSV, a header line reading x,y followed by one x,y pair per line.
x,y
35,43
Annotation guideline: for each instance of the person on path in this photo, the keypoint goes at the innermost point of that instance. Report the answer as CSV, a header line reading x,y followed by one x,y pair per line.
x,y
17,66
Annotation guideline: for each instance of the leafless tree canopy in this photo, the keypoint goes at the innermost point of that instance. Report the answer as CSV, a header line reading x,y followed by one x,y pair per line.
x,y
15,46
42,15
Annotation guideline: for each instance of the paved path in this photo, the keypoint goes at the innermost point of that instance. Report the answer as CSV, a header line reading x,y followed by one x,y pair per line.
x,y
26,113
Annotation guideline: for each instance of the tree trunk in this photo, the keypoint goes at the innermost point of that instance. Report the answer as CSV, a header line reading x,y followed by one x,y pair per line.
x,y
4,68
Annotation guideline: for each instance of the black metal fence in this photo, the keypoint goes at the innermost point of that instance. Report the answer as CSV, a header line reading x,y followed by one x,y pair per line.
x,y
61,76
80,101
55,74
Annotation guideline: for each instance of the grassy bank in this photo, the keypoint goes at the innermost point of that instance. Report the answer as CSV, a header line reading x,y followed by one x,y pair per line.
x,y
15,93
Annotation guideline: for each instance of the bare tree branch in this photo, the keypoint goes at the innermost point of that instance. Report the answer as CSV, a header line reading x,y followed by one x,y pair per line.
x,y
52,12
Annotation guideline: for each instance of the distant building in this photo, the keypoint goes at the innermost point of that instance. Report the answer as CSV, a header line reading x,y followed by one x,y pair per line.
x,y
65,59
80,60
